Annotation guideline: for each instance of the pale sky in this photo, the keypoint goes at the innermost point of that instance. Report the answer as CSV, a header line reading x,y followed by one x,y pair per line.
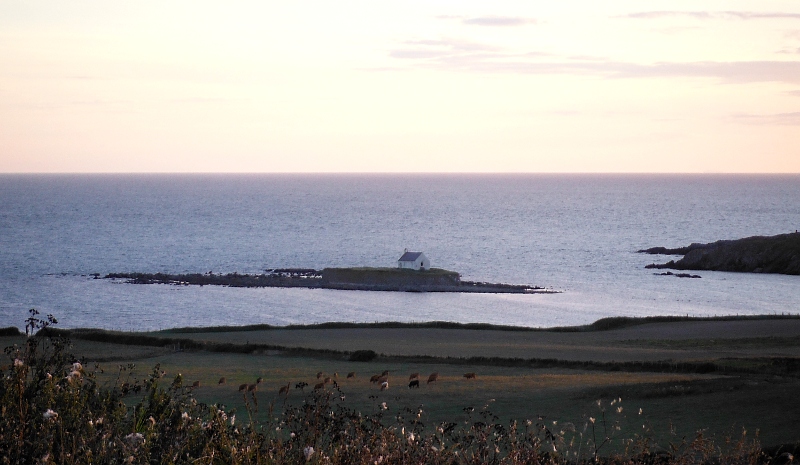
x,y
413,86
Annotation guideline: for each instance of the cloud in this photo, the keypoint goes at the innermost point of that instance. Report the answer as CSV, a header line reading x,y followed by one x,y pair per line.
x,y
796,93
780,119
744,15
501,21
450,55
790,51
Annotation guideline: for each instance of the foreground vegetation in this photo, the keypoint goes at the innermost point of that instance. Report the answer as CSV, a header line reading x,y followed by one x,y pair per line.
x,y
56,409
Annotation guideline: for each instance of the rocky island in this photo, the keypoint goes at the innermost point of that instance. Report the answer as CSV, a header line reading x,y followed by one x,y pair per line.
x,y
357,278
757,254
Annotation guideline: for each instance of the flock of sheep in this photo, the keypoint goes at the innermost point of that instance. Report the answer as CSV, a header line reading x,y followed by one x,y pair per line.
x,y
382,380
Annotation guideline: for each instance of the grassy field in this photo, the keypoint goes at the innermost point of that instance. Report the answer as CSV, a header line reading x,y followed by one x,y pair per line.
x,y
752,394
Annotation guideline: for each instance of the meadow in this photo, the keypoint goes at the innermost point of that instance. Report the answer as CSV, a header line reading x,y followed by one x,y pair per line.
x,y
731,382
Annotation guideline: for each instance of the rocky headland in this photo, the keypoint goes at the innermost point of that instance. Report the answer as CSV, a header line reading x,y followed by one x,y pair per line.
x,y
757,254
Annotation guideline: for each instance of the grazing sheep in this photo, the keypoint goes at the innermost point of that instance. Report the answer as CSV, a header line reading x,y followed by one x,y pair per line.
x,y
469,375
319,374
414,384
223,380
352,374
242,387
301,385
319,386
196,384
252,387
383,379
327,380
374,378
413,376
284,390
433,377
384,385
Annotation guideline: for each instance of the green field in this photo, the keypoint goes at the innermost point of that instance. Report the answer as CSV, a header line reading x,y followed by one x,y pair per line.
x,y
752,385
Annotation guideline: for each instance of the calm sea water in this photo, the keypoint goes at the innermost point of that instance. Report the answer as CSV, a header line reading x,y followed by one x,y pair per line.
x,y
573,233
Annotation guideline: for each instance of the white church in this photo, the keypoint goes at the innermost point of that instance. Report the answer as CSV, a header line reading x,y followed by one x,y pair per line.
x,y
414,261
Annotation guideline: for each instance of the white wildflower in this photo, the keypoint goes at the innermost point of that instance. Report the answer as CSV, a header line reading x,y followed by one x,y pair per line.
x,y
291,435
49,414
185,416
619,409
77,366
383,406
233,419
591,419
308,451
18,362
411,438
640,410
49,376
135,438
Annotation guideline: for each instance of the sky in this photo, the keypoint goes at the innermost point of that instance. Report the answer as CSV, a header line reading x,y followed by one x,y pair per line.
x,y
414,86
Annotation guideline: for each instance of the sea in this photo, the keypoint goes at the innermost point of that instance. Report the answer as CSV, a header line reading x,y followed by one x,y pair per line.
x,y
577,234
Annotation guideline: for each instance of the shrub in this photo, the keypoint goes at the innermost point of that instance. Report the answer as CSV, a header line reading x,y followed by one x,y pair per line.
x,y
362,356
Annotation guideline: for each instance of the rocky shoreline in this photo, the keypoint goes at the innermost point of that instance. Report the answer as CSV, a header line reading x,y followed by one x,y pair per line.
x,y
313,279
757,254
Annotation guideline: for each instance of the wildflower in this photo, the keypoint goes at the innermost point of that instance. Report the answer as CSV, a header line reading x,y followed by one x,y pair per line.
x,y
411,438
49,414
619,409
185,416
291,435
598,402
18,362
135,438
77,366
49,376
233,419
383,406
591,419
528,423
640,410
152,421
308,451
130,459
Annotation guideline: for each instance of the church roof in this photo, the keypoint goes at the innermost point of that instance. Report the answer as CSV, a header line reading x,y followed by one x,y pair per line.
x,y
410,256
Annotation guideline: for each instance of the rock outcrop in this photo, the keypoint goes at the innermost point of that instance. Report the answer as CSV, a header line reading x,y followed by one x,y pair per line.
x,y
758,254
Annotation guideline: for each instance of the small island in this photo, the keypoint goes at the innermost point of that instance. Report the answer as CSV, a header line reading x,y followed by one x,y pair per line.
x,y
757,254
413,274
353,279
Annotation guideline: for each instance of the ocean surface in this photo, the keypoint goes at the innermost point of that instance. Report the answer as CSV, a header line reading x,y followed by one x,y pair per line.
x,y
573,233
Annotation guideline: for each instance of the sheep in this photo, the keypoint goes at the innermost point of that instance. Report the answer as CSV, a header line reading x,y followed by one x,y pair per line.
x,y
284,390
433,377
222,380
196,384
319,374
414,384
413,376
327,380
469,375
352,374
384,385
383,379
319,386
374,378
252,387
242,387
